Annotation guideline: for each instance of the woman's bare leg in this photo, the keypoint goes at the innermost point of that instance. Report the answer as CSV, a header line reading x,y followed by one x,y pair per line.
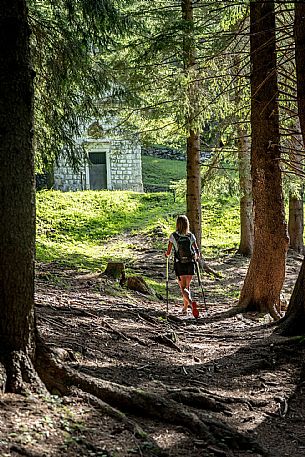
x,y
184,283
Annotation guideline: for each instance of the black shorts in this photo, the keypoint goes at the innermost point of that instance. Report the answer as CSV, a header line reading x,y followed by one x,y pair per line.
x,y
184,269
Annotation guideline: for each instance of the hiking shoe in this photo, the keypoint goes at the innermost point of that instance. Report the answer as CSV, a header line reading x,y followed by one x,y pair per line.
x,y
195,310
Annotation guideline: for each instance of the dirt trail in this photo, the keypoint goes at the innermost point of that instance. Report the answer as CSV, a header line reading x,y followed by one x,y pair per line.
x,y
229,370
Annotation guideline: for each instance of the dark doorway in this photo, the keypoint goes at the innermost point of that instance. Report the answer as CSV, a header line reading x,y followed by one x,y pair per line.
x,y
97,170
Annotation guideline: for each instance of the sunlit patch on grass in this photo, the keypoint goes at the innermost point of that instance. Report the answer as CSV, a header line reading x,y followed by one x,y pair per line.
x,y
85,230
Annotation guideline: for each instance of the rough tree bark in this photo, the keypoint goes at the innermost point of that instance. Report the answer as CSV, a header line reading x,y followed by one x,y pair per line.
x,y
299,37
296,205
246,202
266,273
193,194
115,270
294,320
244,168
17,209
193,176
296,222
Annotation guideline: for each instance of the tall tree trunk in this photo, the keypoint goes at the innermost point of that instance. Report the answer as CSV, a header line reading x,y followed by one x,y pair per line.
x,y
193,193
17,208
296,205
296,222
244,169
299,36
193,177
246,201
294,321
266,273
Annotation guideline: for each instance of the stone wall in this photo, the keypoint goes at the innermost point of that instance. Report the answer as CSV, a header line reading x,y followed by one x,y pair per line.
x,y
164,152
67,179
124,167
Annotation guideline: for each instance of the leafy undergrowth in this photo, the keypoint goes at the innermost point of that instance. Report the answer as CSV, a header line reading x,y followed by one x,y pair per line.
x,y
250,375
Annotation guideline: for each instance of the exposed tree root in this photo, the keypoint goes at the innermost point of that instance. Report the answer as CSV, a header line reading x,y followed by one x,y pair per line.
x,y
249,304
291,325
129,424
167,340
17,373
123,335
198,400
148,318
219,400
62,380
274,311
21,450
196,397
209,270
233,439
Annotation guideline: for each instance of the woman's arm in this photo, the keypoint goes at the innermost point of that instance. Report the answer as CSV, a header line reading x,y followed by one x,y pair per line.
x,y
169,249
196,250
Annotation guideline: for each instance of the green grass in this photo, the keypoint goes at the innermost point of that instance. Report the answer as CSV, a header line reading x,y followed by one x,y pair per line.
x,y
85,230
162,172
220,225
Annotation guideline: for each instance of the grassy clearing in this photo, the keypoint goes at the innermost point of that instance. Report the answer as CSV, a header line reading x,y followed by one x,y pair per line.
x,y
162,172
84,230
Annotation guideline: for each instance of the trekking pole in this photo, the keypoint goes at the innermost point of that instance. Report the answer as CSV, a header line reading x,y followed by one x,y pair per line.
x,y
201,286
167,262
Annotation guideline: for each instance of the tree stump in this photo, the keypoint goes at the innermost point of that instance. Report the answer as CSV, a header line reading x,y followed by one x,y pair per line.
x,y
115,270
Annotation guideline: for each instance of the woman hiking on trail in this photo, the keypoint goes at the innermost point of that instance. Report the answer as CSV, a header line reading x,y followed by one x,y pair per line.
x,y
186,252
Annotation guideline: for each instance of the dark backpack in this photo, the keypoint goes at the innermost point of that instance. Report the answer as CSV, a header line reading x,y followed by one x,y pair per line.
x,y
184,252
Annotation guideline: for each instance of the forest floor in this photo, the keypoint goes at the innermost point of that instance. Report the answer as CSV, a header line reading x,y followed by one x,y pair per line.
x,y
251,376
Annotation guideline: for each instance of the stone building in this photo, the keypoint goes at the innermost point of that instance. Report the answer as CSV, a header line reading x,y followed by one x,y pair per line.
x,y
111,164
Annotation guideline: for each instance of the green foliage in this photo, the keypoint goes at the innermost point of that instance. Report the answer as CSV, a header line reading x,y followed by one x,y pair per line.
x,y
220,175
170,94
68,40
293,187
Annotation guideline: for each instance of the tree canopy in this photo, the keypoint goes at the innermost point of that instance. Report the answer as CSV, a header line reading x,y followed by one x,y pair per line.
x,y
72,77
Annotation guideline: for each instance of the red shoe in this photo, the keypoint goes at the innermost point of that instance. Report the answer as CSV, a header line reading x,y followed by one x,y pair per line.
x,y
195,310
